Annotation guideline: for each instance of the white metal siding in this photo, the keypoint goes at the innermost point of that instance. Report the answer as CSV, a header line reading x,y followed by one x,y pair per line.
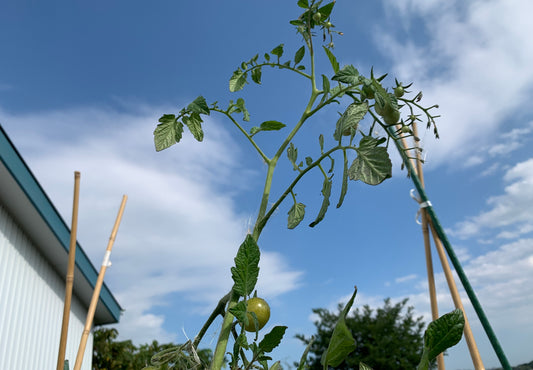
x,y
31,306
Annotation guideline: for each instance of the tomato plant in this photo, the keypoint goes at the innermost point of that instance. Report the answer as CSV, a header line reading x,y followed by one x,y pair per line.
x,y
355,138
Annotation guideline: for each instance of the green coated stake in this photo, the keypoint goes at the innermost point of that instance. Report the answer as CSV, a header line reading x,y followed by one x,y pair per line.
x,y
453,258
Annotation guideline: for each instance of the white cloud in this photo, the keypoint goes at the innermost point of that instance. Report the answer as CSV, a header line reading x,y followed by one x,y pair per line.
x,y
180,230
476,64
511,210
403,279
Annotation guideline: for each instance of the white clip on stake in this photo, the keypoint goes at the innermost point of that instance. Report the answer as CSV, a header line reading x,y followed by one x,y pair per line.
x,y
421,204
106,262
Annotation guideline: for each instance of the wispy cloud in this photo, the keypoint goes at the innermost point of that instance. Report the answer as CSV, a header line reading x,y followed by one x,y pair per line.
x,y
180,229
510,210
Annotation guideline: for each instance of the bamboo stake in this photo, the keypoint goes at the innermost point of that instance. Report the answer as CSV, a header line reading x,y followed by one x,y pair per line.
x,y
70,274
427,246
469,337
98,287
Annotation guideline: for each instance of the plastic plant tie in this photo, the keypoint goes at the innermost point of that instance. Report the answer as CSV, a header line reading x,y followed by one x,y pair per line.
x,y
421,204
106,262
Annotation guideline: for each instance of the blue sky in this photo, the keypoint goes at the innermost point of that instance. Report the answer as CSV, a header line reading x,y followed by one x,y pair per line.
x,y
82,86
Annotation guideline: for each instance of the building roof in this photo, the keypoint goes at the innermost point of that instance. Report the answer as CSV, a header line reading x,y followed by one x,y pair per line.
x,y
27,202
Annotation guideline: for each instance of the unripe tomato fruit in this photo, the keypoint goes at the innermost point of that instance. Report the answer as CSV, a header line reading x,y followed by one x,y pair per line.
x,y
261,310
399,91
317,17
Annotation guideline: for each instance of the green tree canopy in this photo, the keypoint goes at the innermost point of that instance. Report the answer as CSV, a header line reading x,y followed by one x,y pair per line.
x,y
387,338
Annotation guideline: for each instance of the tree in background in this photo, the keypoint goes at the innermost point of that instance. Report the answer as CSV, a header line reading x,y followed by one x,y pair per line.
x,y
109,354
385,338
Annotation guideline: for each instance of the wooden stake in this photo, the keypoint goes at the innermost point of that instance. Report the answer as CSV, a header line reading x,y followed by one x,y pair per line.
x,y
98,287
427,245
469,337
70,274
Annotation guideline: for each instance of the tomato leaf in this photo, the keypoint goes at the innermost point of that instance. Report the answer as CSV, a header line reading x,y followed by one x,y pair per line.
x,y
292,154
272,339
246,268
267,126
256,75
303,4
296,215
363,366
199,105
299,55
168,132
278,51
342,342
239,311
344,187
326,10
326,192
350,119
442,334
372,164
348,75
237,80
325,85
332,59
194,124
241,108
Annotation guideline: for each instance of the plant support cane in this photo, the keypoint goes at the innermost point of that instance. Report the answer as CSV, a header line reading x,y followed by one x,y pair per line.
x,y
70,274
435,225
427,247
92,308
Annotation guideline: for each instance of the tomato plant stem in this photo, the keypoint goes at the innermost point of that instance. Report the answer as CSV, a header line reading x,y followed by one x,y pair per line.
x,y
220,350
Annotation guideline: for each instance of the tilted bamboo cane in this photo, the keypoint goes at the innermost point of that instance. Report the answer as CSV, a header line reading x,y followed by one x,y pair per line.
x,y
469,337
427,246
70,274
98,287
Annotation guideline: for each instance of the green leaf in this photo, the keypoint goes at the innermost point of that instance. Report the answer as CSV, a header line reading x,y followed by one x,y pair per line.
x,y
168,132
348,75
332,59
296,215
246,268
199,105
372,164
256,75
267,126
292,154
276,366
299,55
363,366
194,123
237,81
239,311
271,126
342,342
321,142
325,85
326,10
303,4
326,192
242,108
272,339
443,333
302,365
300,67
350,119
278,51
344,187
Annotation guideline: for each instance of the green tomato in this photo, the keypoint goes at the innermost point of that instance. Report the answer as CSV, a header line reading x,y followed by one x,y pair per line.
x,y
317,17
261,310
328,25
399,91
368,91
392,117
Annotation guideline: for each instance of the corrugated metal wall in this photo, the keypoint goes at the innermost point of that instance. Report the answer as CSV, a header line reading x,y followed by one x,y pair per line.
x,y
31,306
